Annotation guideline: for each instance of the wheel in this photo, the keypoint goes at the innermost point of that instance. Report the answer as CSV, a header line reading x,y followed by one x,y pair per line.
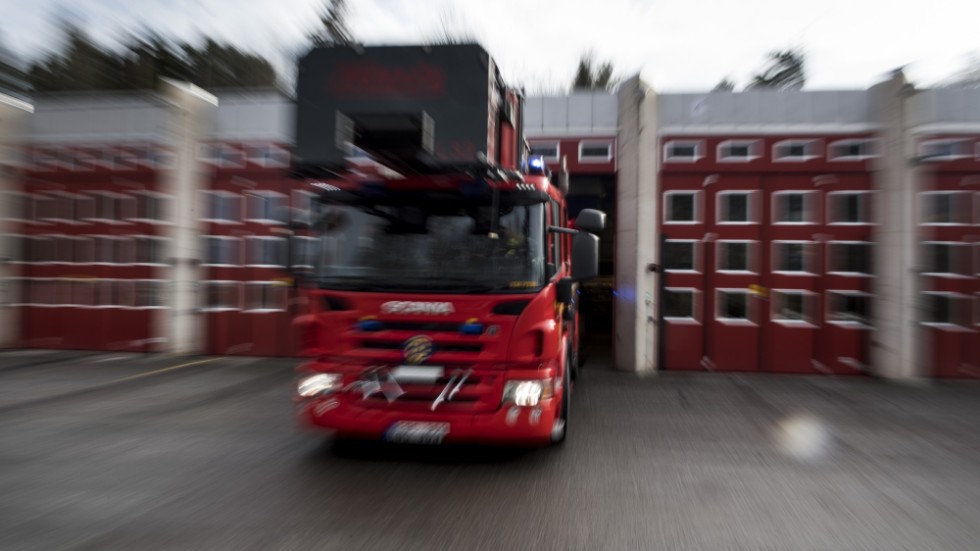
x,y
559,431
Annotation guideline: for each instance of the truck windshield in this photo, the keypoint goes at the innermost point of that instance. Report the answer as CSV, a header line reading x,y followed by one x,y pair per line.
x,y
431,245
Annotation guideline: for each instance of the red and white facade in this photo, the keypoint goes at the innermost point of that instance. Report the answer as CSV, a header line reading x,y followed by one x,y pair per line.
x,y
769,269
88,245
789,232
772,248
246,295
95,211
948,218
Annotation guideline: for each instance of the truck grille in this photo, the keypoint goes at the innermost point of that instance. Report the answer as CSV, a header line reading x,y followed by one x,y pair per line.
x,y
431,326
477,393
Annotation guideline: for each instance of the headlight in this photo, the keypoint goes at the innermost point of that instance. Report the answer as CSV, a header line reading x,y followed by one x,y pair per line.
x,y
527,393
318,384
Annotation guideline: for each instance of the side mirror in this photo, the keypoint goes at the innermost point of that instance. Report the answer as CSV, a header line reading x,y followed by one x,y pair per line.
x,y
585,256
591,220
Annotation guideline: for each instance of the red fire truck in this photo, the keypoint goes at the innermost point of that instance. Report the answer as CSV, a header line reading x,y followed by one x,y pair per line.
x,y
442,305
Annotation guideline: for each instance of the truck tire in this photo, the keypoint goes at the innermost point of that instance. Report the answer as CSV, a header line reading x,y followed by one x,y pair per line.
x,y
559,432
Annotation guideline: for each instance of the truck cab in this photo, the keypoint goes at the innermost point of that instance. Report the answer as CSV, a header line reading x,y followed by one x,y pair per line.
x,y
441,305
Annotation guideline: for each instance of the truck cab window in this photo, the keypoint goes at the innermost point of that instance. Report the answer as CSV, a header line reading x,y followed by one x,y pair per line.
x,y
554,238
432,244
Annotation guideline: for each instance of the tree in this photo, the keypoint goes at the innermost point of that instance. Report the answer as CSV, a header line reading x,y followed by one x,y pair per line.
x,y
589,76
151,58
725,85
784,71
13,79
453,29
333,24
84,66
222,66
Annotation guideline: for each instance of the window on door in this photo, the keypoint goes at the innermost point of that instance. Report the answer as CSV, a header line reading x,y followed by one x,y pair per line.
x,y
266,251
150,207
947,309
849,307
222,251
150,293
793,306
735,256
680,207
150,249
304,251
733,305
222,295
265,296
792,207
849,257
792,257
267,207
735,207
679,304
944,208
849,207
946,258
680,255
222,208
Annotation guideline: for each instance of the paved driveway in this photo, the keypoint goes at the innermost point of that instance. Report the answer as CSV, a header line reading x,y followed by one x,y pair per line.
x,y
145,452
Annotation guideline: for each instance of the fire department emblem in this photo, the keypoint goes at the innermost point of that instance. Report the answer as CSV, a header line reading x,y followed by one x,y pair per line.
x,y
417,349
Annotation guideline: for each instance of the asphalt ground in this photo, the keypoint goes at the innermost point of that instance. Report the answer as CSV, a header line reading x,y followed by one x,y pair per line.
x,y
125,451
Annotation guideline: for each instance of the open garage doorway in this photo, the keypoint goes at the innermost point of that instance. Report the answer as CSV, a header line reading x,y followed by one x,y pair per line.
x,y
596,300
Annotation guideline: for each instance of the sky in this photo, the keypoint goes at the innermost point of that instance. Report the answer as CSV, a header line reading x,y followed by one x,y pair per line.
x,y
676,45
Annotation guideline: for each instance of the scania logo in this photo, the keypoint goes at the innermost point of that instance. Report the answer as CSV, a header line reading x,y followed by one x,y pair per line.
x,y
417,349
410,307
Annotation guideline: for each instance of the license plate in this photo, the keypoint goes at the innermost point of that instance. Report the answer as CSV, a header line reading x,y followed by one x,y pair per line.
x,y
417,432
419,374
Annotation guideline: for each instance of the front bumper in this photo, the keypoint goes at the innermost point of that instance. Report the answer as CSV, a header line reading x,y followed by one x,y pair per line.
x,y
530,425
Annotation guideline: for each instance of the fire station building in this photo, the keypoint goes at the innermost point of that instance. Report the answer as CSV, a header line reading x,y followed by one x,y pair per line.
x,y
833,232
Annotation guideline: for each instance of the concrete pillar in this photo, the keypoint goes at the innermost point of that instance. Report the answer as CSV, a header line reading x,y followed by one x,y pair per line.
x,y
637,201
896,343
14,115
190,118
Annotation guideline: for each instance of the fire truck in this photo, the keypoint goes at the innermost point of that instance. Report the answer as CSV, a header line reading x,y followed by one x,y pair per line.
x,y
442,302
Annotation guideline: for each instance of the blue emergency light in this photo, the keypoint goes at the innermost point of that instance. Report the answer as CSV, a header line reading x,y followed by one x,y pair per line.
x,y
369,324
535,165
471,327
